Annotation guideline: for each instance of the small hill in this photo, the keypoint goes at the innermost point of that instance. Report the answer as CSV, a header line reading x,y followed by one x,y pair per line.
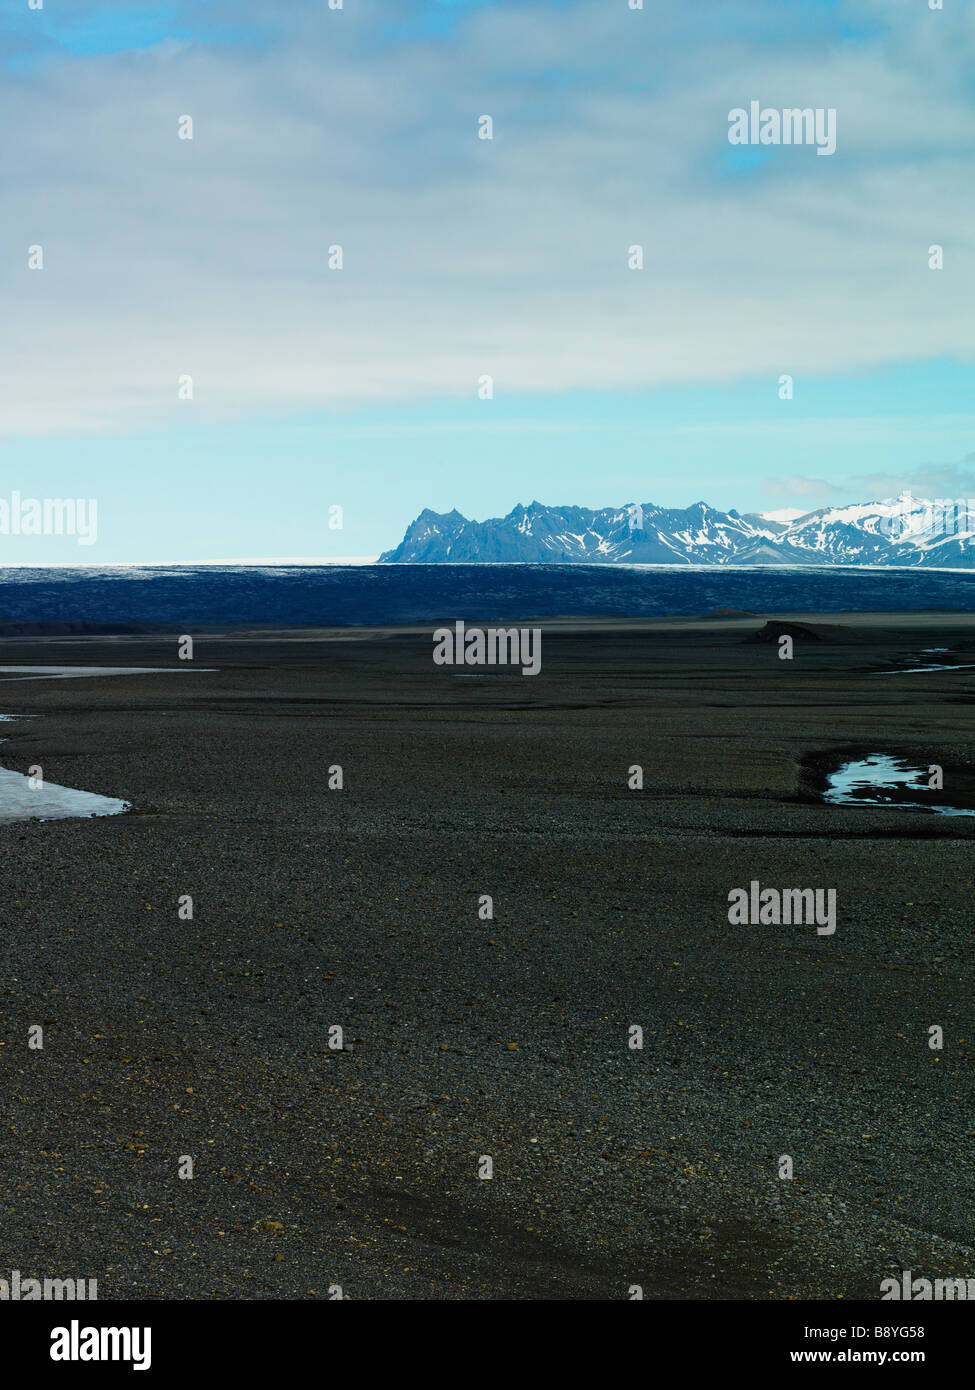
x,y
773,630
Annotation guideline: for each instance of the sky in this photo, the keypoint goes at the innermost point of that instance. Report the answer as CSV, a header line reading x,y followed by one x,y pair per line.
x,y
189,354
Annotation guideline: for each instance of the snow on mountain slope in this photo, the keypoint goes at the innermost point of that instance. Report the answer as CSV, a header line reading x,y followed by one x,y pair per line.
x,y
896,531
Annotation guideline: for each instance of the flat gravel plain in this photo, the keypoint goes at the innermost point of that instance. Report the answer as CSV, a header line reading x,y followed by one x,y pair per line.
x,y
506,1037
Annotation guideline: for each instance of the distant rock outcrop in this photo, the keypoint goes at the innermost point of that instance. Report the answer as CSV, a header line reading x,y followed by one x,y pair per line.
x,y
773,630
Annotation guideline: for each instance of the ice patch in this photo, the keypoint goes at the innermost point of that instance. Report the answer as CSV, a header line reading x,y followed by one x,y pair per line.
x,y
865,782
19,802
30,673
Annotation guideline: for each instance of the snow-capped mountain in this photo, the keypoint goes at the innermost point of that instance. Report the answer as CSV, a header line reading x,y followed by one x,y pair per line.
x,y
899,531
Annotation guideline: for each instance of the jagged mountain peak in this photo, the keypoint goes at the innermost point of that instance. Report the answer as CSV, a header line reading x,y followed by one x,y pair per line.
x,y
893,531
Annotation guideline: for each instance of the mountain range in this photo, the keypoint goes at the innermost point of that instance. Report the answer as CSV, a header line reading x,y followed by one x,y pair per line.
x,y
899,531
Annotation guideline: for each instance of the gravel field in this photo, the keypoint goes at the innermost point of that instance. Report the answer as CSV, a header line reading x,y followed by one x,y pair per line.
x,y
507,1037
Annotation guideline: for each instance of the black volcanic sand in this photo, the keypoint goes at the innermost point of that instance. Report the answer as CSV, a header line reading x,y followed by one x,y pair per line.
x,y
465,1037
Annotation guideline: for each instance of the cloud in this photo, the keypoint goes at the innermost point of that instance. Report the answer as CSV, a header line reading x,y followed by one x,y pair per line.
x,y
463,258
954,480
927,480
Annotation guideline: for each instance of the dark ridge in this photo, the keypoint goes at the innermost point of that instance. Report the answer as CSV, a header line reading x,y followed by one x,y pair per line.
x,y
772,631
729,613
65,629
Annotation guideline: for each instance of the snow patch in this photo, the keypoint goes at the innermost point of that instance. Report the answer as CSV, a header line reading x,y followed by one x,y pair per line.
x,y
19,801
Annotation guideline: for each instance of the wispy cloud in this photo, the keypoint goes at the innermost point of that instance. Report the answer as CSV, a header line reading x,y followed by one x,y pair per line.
x,y
927,480
465,257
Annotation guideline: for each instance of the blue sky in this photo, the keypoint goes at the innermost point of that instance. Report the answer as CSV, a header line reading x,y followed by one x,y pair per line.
x,y
358,387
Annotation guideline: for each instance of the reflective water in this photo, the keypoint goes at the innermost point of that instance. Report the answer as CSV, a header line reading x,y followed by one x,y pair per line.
x,y
908,667
871,781
20,800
